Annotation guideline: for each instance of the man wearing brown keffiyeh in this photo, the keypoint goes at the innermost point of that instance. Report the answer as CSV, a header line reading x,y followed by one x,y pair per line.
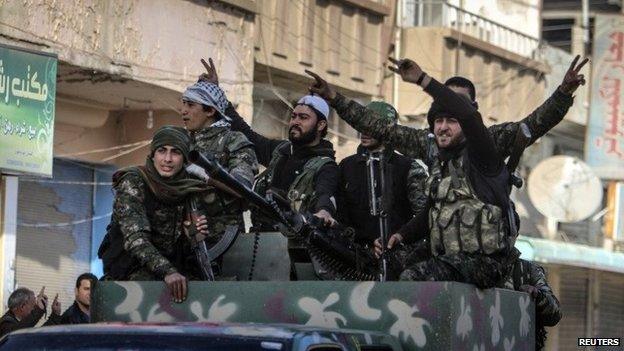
x,y
148,214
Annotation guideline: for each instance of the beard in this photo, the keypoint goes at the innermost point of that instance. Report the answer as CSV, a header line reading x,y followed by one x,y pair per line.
x,y
445,140
303,138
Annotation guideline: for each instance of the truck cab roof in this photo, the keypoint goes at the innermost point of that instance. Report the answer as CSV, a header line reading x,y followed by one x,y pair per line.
x,y
196,336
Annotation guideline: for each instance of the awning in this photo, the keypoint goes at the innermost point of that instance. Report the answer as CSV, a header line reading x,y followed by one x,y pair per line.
x,y
556,252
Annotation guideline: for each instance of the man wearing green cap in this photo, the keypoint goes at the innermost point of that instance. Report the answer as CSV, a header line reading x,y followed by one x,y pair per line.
x,y
145,238
354,187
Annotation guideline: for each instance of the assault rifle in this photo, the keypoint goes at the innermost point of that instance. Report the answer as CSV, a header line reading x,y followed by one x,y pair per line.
x,y
377,202
338,257
521,141
198,241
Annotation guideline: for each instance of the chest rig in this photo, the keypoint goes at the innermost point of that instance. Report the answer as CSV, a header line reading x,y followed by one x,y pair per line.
x,y
301,195
460,222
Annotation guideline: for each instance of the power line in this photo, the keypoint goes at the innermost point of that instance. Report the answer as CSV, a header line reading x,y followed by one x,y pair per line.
x,y
63,224
95,151
63,182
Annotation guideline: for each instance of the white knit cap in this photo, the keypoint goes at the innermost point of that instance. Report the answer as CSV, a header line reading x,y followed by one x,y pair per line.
x,y
317,103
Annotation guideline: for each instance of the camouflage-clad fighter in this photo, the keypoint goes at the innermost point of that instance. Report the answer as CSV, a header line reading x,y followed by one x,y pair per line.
x,y
301,169
354,186
203,113
145,239
530,277
468,185
414,142
294,166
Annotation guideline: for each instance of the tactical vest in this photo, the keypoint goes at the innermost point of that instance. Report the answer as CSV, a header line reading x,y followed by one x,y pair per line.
x,y
460,222
218,203
301,193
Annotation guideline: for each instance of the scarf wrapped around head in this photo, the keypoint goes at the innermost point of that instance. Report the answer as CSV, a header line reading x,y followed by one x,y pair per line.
x,y
207,94
173,189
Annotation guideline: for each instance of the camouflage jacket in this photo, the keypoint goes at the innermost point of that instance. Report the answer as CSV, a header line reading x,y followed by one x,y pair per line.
x,y
416,183
417,228
149,237
413,142
236,154
547,308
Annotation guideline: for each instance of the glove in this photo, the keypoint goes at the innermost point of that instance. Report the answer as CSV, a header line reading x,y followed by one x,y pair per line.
x,y
198,172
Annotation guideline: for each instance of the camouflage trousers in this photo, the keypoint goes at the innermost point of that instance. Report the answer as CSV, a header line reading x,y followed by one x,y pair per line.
x,y
480,270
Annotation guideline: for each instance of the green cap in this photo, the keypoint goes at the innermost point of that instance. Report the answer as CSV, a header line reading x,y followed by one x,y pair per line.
x,y
384,109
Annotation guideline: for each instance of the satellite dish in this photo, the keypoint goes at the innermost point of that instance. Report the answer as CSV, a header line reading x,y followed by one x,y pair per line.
x,y
564,188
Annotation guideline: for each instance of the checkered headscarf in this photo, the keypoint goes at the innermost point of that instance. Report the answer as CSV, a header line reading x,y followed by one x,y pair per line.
x,y
207,94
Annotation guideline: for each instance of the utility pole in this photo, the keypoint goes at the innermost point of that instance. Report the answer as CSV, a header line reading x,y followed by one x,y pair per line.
x,y
397,52
585,26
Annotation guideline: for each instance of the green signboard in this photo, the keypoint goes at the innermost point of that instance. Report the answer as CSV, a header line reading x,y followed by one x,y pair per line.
x,y
27,103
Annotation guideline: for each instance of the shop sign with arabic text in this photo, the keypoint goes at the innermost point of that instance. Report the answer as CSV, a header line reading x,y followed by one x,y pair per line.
x,y
27,103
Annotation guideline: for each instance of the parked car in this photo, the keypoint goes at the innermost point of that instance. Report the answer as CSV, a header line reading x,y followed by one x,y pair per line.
x,y
196,336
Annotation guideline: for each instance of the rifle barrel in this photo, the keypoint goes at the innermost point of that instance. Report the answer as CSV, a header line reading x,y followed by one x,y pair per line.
x,y
216,171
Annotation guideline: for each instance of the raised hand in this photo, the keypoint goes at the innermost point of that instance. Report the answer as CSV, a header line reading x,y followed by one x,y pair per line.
x,y
42,299
321,87
56,306
407,69
572,78
211,72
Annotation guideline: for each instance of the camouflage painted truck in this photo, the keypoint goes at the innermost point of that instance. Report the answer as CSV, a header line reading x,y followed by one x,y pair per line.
x,y
417,315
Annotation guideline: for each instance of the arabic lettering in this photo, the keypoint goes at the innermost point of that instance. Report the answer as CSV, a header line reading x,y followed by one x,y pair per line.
x,y
610,92
22,130
28,88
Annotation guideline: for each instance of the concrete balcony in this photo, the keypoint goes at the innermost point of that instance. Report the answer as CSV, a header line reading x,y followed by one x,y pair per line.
x,y
508,86
439,13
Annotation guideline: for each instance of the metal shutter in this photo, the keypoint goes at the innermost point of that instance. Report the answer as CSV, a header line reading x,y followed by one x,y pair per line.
x,y
56,251
611,306
573,294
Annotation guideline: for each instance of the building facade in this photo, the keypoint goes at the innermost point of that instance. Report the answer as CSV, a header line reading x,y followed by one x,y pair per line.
x,y
517,52
122,66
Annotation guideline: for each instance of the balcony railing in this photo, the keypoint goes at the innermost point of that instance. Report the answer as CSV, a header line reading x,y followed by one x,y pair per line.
x,y
439,13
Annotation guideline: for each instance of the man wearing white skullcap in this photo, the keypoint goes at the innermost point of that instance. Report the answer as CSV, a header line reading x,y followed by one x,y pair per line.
x,y
301,168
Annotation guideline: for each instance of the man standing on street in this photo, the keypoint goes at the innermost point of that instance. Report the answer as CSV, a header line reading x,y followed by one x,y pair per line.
x,y
78,312
26,309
